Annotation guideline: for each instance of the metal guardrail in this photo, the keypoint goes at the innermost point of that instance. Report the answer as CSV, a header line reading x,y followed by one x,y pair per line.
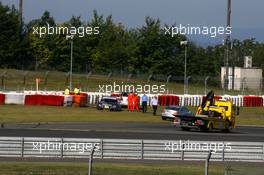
x,y
130,149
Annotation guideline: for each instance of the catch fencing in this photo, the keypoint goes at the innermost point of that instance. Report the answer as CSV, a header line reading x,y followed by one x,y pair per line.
x,y
28,147
18,80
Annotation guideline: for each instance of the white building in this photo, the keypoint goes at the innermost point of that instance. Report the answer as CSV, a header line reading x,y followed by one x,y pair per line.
x,y
243,78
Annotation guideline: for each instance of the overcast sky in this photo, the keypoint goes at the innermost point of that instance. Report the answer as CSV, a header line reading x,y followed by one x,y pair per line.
x,y
247,15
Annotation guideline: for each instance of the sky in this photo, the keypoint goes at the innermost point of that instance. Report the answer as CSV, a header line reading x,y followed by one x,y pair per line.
x,y
247,15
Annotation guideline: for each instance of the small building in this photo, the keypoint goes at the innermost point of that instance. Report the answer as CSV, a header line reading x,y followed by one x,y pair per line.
x,y
245,77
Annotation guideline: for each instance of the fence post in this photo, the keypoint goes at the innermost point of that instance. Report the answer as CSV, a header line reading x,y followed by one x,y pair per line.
x,y
46,78
243,86
207,162
62,147
89,75
260,87
24,78
67,79
263,153
142,149
168,79
102,148
91,161
3,75
227,169
205,84
129,77
87,80
187,84
182,152
149,77
22,147
223,152
109,76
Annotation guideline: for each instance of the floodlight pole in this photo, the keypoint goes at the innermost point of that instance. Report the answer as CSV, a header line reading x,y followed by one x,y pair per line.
x,y
227,45
185,64
20,11
71,38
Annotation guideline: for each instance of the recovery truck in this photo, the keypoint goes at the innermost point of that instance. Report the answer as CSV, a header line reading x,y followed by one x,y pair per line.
x,y
212,114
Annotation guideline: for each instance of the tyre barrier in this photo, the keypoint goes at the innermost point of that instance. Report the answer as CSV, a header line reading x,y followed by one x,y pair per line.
x,y
49,100
15,98
68,100
115,95
165,100
236,100
2,99
253,101
91,98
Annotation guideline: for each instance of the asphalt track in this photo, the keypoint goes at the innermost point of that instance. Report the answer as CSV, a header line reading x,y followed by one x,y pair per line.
x,y
129,130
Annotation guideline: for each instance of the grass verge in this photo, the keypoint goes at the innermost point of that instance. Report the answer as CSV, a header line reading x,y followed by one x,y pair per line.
x,y
31,114
183,168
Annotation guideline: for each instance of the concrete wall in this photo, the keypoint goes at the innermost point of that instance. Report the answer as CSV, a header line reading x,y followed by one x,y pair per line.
x,y
250,78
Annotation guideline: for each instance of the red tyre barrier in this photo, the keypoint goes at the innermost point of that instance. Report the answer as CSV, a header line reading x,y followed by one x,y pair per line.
x,y
170,100
160,100
176,100
259,102
164,100
2,99
245,99
30,100
115,95
253,101
167,100
49,100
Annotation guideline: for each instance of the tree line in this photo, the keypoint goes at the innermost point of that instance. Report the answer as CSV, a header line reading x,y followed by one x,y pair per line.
x,y
146,49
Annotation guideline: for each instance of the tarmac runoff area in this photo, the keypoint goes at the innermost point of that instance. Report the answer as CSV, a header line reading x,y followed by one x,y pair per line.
x,y
128,130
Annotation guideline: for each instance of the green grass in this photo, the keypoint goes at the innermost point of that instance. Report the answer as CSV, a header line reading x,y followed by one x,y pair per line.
x,y
25,114
76,168
251,116
57,81
30,114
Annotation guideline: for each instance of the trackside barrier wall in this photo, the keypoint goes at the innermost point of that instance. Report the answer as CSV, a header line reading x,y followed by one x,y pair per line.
x,y
29,147
92,98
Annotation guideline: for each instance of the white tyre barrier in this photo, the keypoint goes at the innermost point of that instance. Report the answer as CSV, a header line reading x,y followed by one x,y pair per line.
x,y
15,98
68,100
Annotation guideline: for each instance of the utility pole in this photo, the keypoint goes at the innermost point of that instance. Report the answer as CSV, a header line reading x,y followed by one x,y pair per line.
x,y
20,12
185,64
227,46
